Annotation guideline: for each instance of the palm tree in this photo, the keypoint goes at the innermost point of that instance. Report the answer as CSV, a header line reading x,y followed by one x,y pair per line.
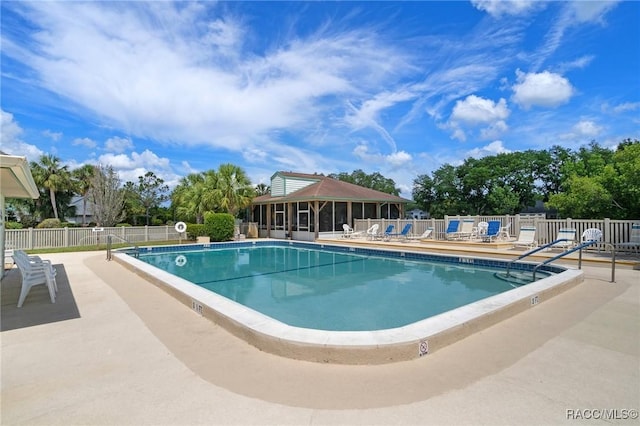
x,y
188,197
262,189
52,175
82,178
234,190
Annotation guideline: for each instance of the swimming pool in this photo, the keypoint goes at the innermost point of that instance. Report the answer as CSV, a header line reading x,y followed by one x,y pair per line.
x,y
327,290
371,339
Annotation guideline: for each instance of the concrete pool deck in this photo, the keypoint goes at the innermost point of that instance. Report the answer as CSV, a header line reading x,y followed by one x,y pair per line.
x,y
114,349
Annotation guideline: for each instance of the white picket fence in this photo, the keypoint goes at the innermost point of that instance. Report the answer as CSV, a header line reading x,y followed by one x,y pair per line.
x,y
29,239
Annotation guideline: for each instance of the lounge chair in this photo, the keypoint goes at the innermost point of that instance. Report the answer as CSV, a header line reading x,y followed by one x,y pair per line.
x,y
452,229
526,237
386,234
402,234
428,233
493,231
634,239
466,230
372,232
35,271
349,232
566,239
504,232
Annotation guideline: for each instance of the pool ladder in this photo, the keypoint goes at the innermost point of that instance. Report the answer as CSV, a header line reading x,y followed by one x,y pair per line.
x,y
136,249
579,248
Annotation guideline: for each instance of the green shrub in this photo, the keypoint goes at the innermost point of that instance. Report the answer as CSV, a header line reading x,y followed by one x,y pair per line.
x,y
12,225
219,226
123,224
50,223
195,230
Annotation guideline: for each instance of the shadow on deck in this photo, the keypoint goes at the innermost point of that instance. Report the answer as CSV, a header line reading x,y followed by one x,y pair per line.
x,y
37,308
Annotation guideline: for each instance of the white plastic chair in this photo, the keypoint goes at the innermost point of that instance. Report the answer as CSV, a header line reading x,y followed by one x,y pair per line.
x,y
35,271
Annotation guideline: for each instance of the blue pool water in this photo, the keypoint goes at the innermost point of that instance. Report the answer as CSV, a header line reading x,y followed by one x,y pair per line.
x,y
329,290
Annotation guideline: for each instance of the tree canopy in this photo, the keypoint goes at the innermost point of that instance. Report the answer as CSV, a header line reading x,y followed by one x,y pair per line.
x,y
592,182
373,181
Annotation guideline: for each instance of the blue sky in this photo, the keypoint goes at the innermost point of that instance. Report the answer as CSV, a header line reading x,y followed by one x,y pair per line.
x,y
398,88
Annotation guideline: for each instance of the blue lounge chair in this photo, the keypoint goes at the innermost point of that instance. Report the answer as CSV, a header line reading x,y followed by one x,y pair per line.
x,y
493,231
402,234
452,229
387,233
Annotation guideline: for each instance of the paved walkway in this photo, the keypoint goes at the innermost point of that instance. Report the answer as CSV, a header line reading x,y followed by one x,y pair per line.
x,y
116,350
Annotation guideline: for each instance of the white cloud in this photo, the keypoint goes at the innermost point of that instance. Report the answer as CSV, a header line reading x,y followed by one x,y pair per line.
x,y
146,159
583,129
12,144
543,89
392,161
200,87
473,111
625,107
498,8
85,142
477,110
55,136
494,148
118,145
591,11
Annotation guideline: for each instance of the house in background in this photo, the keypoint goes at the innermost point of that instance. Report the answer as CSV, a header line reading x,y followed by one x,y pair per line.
x,y
304,206
78,203
417,214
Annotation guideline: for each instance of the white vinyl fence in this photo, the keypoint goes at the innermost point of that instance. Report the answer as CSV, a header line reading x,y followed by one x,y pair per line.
x,y
29,239
613,231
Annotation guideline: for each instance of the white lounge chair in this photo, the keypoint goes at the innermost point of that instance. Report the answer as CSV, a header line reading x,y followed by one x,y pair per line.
x,y
526,237
465,231
347,231
568,237
503,234
428,233
35,271
372,232
634,239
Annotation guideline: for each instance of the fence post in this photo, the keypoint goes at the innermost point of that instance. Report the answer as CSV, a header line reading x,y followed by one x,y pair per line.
x,y
606,230
146,233
65,239
30,239
166,231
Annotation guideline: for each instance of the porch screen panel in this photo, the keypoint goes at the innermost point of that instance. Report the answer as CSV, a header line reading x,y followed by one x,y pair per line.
x,y
394,211
340,215
356,211
370,211
326,218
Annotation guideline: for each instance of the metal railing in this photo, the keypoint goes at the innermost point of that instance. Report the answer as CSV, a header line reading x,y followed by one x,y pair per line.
x,y
579,248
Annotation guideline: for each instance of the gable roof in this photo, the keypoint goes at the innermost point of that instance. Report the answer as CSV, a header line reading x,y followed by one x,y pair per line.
x,y
327,189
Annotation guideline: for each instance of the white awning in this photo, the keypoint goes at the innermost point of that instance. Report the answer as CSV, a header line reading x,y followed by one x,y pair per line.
x,y
16,180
